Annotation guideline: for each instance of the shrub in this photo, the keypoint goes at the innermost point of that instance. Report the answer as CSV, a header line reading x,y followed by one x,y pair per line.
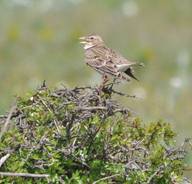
x,y
82,135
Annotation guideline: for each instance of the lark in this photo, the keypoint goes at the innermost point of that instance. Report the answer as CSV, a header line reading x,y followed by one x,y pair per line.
x,y
106,61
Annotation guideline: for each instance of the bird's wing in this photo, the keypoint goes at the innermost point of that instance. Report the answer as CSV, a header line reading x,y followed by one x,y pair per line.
x,y
101,61
103,66
119,59
124,65
102,52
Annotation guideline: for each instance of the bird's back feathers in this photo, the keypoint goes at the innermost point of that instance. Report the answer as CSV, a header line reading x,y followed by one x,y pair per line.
x,y
106,60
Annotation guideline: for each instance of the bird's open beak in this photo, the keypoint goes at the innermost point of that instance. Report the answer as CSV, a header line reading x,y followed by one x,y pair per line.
x,y
83,40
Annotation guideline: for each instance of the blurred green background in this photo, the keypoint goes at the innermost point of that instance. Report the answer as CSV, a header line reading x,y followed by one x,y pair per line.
x,y
39,40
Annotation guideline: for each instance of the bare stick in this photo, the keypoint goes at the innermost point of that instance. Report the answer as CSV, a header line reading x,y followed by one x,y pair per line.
x,y
187,168
3,159
4,128
24,175
122,94
92,108
101,108
106,178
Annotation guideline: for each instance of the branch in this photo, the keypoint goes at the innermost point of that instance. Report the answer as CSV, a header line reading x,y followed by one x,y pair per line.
x,y
92,108
123,111
4,128
154,174
187,168
24,175
4,158
106,178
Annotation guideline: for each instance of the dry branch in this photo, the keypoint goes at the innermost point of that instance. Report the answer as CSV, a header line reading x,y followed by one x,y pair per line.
x,y
5,126
4,158
24,175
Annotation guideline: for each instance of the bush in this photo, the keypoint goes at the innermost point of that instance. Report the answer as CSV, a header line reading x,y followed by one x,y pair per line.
x,y
81,135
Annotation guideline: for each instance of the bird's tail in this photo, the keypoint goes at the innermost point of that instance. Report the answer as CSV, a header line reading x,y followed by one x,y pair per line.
x,y
138,64
129,72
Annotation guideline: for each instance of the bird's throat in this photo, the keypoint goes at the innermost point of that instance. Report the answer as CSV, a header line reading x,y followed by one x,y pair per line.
x,y
88,46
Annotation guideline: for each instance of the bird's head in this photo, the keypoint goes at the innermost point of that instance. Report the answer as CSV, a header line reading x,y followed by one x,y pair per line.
x,y
91,41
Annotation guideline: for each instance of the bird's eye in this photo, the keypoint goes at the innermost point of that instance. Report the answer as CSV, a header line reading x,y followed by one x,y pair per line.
x,y
91,37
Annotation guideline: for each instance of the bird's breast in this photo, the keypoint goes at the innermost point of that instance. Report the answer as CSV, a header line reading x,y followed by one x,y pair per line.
x,y
89,54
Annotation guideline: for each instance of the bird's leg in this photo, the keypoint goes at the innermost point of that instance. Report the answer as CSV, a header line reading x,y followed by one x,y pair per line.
x,y
105,79
113,82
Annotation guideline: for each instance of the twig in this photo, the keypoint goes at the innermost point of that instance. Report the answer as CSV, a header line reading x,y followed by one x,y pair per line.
x,y
154,174
102,108
3,159
4,128
123,110
106,178
24,175
187,168
35,147
92,108
82,88
46,106
123,94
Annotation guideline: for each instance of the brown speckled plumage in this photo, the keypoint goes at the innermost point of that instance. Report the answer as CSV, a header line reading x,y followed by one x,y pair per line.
x,y
106,61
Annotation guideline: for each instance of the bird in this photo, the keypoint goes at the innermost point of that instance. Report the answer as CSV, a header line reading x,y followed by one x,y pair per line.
x,y
106,61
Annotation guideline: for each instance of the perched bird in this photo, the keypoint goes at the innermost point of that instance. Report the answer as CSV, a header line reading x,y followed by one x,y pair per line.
x,y
105,60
